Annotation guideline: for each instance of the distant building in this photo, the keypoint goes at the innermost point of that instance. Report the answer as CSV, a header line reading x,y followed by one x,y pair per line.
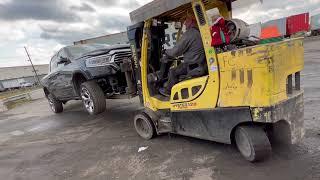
x,y
111,39
11,77
122,38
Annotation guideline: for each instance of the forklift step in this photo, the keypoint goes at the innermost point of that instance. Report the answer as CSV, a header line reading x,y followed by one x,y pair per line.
x,y
165,125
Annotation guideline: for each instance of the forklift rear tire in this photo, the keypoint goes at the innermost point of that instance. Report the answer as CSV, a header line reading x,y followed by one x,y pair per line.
x,y
252,143
144,126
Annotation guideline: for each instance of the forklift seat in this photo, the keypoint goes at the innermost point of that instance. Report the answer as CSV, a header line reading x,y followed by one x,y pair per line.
x,y
194,71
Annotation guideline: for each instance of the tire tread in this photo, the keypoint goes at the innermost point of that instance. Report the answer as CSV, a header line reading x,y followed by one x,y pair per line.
x,y
259,142
145,117
58,104
97,96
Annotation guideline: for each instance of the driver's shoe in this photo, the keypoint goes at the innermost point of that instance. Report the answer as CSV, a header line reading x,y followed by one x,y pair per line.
x,y
164,92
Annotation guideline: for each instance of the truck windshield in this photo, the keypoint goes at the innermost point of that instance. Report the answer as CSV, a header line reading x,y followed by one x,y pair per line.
x,y
78,50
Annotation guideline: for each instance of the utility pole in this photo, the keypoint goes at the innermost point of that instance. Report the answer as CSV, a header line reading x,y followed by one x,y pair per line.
x,y
34,70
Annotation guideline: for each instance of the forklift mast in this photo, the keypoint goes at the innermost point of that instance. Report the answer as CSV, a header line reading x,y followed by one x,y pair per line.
x,y
135,33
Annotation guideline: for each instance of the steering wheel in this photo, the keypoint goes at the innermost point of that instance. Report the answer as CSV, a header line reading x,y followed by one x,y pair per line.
x,y
180,58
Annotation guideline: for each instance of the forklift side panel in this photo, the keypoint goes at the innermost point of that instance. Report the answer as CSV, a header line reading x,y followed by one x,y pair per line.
x,y
257,76
214,125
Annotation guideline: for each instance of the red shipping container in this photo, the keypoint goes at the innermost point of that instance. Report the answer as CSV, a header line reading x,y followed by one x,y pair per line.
x,y
298,23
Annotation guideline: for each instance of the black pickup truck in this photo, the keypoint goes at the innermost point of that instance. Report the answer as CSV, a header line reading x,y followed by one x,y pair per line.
x,y
91,73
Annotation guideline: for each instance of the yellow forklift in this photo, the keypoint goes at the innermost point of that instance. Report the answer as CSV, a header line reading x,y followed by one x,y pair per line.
x,y
250,95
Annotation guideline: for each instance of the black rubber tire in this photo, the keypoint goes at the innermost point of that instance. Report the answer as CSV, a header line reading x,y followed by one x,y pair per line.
x,y
252,143
55,105
97,96
144,126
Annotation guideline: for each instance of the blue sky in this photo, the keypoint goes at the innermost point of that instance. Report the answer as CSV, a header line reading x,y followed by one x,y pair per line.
x,y
47,25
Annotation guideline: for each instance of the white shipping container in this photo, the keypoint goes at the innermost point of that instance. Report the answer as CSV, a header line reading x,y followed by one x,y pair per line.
x,y
12,83
255,31
315,22
280,23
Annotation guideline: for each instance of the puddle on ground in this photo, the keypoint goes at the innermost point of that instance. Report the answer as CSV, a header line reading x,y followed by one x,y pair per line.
x,y
44,126
16,133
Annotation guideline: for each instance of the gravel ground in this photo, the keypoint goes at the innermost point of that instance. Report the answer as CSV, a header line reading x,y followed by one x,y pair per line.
x,y
37,144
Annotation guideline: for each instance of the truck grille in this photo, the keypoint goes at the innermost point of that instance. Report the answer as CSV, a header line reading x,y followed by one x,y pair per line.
x,y
120,56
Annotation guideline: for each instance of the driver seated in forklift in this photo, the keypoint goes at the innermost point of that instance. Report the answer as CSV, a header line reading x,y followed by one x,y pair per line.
x,y
191,48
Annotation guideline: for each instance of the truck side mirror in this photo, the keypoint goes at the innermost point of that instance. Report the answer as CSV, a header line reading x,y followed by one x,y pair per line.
x,y
64,60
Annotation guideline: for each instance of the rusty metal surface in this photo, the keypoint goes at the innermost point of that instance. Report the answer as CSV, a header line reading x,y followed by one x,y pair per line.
x,y
174,9
155,8
291,111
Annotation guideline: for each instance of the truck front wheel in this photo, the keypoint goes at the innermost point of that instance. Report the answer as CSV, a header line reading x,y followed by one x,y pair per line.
x,y
55,105
92,97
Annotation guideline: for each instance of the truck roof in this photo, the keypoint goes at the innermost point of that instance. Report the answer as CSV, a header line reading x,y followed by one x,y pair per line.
x,y
175,9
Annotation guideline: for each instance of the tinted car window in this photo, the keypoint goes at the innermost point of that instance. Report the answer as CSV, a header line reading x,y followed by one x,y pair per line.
x,y
63,54
60,65
53,63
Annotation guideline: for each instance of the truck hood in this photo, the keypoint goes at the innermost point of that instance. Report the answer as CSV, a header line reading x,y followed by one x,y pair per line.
x,y
105,50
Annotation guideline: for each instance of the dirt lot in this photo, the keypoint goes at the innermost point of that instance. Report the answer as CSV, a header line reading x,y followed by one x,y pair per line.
x,y
36,144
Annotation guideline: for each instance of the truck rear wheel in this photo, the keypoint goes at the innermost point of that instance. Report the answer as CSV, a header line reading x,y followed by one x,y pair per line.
x,y
252,143
144,126
55,105
92,97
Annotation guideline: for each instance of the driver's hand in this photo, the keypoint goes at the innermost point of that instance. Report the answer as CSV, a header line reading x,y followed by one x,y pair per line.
x,y
164,59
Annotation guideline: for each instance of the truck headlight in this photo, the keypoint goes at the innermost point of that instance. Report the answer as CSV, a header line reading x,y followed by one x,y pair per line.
x,y
98,61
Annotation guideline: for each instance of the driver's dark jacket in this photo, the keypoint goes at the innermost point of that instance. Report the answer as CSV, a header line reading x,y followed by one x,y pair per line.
x,y
190,46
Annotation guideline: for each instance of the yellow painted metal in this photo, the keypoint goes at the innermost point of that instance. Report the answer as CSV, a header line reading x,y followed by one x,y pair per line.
x,y
150,102
223,10
209,96
144,61
256,76
199,83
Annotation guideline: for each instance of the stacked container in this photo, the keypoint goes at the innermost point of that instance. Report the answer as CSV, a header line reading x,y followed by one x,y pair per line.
x,y
298,23
255,31
315,22
281,24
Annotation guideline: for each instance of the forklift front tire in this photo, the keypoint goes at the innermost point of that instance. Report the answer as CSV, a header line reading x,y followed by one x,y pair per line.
x,y
144,126
252,143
